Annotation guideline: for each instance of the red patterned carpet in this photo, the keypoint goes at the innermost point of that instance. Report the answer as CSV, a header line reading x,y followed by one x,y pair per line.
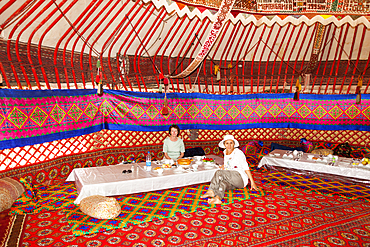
x,y
284,217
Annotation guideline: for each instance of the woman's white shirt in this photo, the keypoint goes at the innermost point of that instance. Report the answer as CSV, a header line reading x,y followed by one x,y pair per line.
x,y
237,161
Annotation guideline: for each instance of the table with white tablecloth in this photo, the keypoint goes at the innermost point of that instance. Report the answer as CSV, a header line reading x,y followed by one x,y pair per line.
x,y
342,166
110,181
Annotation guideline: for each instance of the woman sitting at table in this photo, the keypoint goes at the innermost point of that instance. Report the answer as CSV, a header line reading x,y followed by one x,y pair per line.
x,y
173,146
233,174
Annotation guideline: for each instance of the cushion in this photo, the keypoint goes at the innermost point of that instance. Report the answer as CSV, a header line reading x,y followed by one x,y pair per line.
x,y
282,147
252,147
307,146
191,152
323,151
100,207
344,150
326,145
10,190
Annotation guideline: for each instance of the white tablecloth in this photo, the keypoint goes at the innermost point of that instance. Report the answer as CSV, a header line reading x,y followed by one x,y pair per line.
x,y
342,167
109,180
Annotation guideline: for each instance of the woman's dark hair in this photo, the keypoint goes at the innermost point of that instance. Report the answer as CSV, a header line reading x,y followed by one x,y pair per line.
x,y
175,127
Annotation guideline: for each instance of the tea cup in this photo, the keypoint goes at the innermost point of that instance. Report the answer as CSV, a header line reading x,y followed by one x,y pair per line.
x,y
160,171
198,158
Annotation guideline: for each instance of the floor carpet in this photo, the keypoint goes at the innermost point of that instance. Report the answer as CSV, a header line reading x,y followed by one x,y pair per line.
x,y
145,207
285,216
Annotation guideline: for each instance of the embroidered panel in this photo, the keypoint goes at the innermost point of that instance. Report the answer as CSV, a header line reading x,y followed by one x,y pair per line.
x,y
28,118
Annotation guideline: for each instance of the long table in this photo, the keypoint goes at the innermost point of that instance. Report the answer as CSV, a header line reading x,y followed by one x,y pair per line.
x,y
110,181
342,167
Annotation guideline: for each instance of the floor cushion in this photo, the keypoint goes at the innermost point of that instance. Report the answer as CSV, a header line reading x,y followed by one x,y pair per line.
x,y
100,207
10,190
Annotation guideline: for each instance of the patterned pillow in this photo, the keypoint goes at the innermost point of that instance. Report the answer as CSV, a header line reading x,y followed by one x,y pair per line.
x,y
307,146
360,152
10,190
252,147
100,207
323,151
30,192
326,145
344,150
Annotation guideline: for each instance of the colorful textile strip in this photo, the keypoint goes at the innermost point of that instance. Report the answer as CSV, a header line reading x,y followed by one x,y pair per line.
x,y
38,116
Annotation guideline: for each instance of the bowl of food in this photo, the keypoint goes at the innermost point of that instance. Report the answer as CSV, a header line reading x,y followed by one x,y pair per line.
x,y
208,161
184,162
166,166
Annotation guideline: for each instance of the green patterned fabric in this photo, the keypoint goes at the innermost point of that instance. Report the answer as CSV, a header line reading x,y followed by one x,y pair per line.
x,y
53,197
320,185
146,207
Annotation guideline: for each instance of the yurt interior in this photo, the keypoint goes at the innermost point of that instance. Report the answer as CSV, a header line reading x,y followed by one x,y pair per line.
x,y
119,117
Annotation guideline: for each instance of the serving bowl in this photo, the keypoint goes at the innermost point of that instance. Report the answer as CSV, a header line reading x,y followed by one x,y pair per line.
x,y
184,162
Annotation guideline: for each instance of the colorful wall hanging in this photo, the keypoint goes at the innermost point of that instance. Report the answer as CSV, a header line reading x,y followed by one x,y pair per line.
x,y
29,117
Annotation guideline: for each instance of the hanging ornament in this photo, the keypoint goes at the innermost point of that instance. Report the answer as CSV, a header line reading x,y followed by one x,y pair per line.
x,y
161,77
358,89
99,78
216,69
298,88
165,82
165,103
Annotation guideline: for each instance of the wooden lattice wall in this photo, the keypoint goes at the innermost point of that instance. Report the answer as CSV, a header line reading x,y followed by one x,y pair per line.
x,y
25,156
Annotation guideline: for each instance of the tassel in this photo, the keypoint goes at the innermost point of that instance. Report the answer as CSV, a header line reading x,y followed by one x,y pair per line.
x,y
298,86
218,75
165,81
358,98
217,69
165,108
296,96
358,89
98,78
161,77
100,89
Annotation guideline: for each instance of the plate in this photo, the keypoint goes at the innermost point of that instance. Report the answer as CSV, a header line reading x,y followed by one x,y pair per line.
x,y
287,157
185,166
199,162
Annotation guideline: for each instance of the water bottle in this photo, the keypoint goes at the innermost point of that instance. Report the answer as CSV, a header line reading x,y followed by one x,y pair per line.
x,y
148,161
